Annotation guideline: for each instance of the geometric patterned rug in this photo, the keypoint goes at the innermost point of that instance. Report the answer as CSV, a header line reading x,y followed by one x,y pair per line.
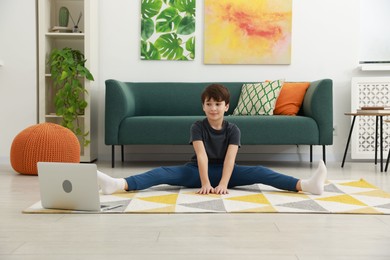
x,y
340,196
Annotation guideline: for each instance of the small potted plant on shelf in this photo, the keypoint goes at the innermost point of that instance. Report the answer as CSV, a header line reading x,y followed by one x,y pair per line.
x,y
68,71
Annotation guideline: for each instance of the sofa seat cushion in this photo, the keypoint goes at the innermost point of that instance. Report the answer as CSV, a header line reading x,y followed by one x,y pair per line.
x,y
255,129
276,129
156,129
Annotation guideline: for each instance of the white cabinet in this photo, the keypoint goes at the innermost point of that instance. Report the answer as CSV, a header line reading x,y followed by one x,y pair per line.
x,y
85,40
369,91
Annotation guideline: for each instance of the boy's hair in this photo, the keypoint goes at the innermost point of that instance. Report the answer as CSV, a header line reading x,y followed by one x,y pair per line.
x,y
217,92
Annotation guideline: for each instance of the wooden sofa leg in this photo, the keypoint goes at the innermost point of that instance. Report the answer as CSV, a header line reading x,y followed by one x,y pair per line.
x,y
112,156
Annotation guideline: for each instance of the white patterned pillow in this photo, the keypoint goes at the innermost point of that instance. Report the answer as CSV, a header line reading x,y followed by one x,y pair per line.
x,y
258,98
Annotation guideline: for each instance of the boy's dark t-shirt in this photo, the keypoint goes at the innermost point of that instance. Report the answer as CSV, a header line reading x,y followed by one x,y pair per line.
x,y
216,142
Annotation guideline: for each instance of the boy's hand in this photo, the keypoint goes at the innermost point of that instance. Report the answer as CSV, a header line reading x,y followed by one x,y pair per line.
x,y
221,189
206,189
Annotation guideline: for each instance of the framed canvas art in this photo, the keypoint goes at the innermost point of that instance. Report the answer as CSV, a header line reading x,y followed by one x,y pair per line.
x,y
168,29
247,32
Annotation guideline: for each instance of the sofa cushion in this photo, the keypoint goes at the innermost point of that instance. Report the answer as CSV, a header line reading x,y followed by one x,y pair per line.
x,y
163,130
290,98
280,130
258,98
156,129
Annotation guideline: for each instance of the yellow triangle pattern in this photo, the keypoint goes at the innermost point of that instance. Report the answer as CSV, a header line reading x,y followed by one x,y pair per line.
x,y
365,210
127,195
375,193
267,209
360,184
163,199
211,195
346,199
289,194
256,198
169,209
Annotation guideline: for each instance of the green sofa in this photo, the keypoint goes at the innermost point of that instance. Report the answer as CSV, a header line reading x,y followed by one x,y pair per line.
x,y
161,113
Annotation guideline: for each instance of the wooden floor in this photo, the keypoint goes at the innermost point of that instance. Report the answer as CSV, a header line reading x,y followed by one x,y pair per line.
x,y
191,236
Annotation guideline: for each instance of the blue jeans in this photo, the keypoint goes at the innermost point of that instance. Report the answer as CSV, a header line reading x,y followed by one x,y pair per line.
x,y
188,176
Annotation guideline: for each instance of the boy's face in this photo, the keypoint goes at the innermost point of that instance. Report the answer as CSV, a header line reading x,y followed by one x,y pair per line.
x,y
215,110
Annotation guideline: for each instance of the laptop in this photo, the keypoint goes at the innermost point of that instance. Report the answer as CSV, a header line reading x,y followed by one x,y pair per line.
x,y
70,186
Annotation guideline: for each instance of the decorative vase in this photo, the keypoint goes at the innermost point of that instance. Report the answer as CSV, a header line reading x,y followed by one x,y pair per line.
x,y
63,16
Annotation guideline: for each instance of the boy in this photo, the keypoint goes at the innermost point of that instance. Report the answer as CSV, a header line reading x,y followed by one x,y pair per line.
x,y
213,168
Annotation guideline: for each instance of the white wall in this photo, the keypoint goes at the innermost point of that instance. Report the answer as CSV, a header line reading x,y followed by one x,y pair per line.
x,y
325,44
375,39
18,88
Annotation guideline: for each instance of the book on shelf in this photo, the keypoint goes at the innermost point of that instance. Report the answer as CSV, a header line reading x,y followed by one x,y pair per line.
x,y
375,108
373,111
60,29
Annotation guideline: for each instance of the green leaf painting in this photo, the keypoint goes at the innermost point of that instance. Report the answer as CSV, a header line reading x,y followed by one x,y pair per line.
x,y
168,29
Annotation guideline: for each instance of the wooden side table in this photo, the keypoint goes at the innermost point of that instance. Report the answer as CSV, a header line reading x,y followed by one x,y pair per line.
x,y
378,116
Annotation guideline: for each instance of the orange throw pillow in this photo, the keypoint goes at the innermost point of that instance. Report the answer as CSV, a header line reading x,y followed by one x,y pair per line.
x,y
290,98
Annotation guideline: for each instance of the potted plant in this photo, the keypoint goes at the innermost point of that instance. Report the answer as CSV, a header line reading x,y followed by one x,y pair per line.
x,y
68,71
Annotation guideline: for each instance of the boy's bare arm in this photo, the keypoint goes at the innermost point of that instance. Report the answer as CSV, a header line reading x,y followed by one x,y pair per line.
x,y
227,171
202,159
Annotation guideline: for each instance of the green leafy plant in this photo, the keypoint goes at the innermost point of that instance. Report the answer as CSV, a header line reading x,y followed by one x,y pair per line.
x,y
68,71
167,29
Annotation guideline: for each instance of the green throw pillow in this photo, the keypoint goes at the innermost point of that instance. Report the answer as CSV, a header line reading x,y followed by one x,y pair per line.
x,y
258,98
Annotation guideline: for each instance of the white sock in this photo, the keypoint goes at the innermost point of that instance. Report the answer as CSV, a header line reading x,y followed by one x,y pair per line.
x,y
108,184
315,185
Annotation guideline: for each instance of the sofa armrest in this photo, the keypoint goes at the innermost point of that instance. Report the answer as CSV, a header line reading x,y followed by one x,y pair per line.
x,y
120,103
318,104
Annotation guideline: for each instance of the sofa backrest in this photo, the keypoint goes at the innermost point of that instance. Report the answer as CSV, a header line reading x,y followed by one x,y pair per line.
x,y
131,99
175,98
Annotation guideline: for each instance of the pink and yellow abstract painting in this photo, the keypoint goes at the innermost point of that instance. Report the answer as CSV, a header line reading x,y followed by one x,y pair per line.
x,y
247,32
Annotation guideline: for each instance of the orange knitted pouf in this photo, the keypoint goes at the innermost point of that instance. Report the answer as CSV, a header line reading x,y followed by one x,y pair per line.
x,y
46,142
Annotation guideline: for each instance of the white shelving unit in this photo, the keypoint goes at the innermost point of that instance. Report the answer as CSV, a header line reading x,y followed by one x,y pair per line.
x,y
86,41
